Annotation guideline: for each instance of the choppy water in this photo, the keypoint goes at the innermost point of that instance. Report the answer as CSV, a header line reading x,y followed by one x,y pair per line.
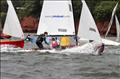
x,y
36,65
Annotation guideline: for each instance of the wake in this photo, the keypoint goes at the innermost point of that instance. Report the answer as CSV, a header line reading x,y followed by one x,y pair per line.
x,y
88,48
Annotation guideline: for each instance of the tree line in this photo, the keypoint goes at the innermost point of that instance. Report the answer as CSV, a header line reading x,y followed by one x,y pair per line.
x,y
100,9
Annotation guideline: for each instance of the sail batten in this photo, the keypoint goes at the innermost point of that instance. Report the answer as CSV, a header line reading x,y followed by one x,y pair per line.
x,y
87,27
12,25
56,18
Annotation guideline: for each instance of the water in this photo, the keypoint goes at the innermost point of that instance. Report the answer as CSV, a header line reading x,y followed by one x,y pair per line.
x,y
37,65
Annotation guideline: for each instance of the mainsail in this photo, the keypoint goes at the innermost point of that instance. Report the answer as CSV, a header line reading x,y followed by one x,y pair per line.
x,y
87,27
12,25
56,18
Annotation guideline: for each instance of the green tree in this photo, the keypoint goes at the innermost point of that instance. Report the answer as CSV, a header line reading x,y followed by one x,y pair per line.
x,y
104,10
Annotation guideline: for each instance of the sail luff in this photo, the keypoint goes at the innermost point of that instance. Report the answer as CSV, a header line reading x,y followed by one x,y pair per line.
x,y
12,25
111,20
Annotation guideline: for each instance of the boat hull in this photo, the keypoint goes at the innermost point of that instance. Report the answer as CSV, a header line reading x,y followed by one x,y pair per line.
x,y
15,43
4,36
110,42
88,48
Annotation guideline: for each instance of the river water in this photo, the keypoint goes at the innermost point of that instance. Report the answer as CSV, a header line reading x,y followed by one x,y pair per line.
x,y
37,65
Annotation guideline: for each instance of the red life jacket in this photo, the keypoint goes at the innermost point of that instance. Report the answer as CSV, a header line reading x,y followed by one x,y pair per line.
x,y
54,44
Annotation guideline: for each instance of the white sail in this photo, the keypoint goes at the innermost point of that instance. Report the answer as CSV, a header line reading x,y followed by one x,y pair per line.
x,y
12,25
117,28
111,20
56,18
87,27
110,42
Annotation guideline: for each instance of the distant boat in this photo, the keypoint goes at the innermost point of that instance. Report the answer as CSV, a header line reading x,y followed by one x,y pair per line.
x,y
12,28
110,42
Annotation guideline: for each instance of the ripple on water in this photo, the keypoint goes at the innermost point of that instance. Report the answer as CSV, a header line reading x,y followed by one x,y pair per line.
x,y
36,65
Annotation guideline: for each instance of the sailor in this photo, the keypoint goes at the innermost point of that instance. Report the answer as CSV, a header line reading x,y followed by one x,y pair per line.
x,y
40,40
30,38
58,41
27,38
64,42
54,43
77,39
101,49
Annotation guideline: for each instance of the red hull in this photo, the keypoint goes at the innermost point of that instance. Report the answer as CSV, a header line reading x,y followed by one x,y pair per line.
x,y
16,43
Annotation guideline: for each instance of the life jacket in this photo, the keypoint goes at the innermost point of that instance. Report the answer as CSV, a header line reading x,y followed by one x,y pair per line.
x,y
54,44
64,41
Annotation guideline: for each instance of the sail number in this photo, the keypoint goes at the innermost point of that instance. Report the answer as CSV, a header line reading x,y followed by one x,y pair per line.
x,y
62,30
92,29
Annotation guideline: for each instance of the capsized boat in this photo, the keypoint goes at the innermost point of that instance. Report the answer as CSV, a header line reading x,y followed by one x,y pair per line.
x,y
12,28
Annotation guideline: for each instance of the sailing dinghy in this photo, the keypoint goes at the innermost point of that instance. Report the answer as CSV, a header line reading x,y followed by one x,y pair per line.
x,y
87,31
57,19
13,28
110,42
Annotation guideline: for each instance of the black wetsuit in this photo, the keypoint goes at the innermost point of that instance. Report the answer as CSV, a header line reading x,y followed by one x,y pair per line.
x,y
39,41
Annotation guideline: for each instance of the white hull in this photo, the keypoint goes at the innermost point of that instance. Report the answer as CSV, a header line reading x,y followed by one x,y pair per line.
x,y
87,48
110,42
106,42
